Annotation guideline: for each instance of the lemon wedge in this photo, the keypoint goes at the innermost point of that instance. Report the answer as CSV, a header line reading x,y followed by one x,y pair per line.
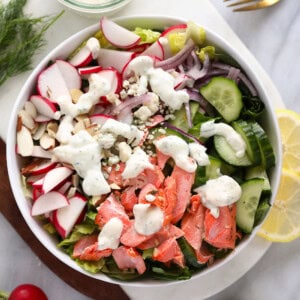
x,y
283,221
289,124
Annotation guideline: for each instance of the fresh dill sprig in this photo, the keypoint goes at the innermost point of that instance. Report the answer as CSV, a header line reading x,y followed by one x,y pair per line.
x,y
20,37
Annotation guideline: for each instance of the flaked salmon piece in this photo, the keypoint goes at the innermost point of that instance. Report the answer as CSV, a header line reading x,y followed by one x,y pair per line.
x,y
203,255
111,208
148,193
115,174
131,238
170,191
161,159
192,223
91,253
128,199
184,181
169,251
154,176
83,243
221,232
165,233
129,258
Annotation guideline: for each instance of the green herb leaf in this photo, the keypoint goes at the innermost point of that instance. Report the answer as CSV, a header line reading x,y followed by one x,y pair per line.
x,y
20,37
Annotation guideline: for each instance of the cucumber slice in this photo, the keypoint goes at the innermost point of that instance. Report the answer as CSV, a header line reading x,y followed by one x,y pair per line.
x,y
266,149
262,209
213,170
224,94
247,205
226,152
259,172
252,148
180,118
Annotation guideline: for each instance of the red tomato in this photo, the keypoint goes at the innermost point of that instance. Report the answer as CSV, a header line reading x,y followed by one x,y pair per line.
x,y
27,292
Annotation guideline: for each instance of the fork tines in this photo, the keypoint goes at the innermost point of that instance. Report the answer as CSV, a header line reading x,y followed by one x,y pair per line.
x,y
254,4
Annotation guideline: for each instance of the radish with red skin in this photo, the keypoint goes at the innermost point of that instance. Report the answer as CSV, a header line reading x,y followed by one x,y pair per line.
x,y
42,168
42,119
48,202
82,58
89,70
36,193
114,58
55,177
38,183
45,107
56,80
156,50
99,119
118,35
33,178
65,218
64,187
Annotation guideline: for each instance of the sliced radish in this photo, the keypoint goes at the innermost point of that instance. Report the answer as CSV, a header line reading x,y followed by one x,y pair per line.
x,y
139,48
99,119
65,218
89,70
64,188
156,50
38,151
38,168
174,29
70,74
36,193
82,58
42,119
51,84
24,142
55,177
115,80
48,202
114,58
38,183
33,178
118,35
45,107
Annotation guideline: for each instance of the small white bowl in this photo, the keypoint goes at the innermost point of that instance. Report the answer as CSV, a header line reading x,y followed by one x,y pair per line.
x,y
94,8
269,122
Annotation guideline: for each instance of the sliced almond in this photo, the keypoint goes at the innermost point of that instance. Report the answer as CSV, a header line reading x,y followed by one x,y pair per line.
x,y
71,192
27,119
39,132
24,142
30,109
47,142
79,126
38,151
75,95
52,128
75,180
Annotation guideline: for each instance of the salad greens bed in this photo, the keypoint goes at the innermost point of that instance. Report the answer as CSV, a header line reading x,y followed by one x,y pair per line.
x,y
219,93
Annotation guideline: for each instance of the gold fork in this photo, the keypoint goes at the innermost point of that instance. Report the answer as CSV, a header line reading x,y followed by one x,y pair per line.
x,y
254,4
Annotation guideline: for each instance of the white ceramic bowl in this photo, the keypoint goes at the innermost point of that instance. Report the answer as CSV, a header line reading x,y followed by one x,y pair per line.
x,y
269,122
90,8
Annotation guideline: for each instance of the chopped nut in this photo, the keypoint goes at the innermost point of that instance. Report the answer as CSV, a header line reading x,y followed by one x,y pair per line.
x,y
27,119
75,95
39,131
47,142
24,142
52,128
30,109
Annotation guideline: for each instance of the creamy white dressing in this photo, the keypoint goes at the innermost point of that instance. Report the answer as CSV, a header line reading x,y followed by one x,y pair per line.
x,y
137,163
130,132
65,129
98,86
178,149
143,66
148,219
84,154
94,46
109,237
198,153
218,192
232,137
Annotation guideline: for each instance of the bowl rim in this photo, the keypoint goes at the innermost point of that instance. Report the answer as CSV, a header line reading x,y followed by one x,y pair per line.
x,y
94,8
57,52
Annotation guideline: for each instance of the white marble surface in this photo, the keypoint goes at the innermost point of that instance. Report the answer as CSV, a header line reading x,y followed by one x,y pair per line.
x,y
272,35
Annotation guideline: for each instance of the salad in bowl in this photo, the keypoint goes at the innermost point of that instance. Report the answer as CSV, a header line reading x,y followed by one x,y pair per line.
x,y
145,149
